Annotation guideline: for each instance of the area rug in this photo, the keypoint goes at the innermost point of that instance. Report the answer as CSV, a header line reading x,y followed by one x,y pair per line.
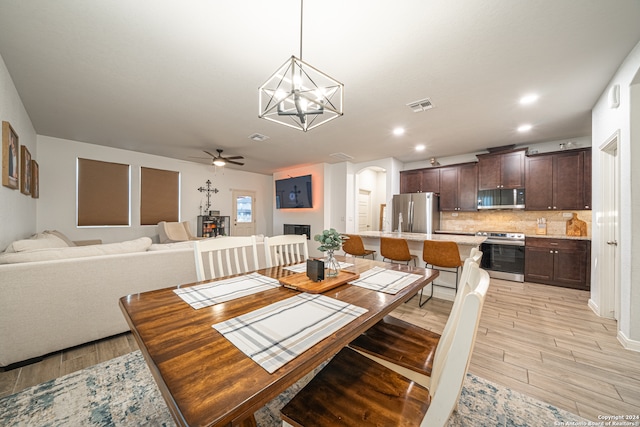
x,y
122,392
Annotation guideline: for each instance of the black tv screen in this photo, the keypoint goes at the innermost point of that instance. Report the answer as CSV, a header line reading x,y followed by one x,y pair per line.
x,y
294,193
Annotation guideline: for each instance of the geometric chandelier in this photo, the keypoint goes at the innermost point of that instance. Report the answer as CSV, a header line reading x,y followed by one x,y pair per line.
x,y
300,96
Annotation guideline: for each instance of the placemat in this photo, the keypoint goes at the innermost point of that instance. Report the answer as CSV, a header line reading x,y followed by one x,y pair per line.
x,y
276,334
211,293
385,280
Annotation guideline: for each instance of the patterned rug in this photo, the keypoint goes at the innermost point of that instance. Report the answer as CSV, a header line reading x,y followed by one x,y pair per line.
x,y
122,392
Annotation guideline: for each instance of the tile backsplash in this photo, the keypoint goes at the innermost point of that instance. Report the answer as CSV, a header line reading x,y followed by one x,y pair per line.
x,y
510,221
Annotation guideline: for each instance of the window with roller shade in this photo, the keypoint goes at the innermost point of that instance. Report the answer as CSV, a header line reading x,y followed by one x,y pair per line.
x,y
159,196
102,193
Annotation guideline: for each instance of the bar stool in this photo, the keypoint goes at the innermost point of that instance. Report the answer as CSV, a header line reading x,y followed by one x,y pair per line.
x,y
393,249
441,256
353,246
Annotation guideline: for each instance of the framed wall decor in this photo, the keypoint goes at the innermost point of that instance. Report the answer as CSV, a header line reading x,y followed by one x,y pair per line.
x,y
25,170
35,179
10,177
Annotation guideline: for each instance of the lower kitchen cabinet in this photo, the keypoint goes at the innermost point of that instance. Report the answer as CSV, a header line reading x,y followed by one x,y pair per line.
x,y
560,262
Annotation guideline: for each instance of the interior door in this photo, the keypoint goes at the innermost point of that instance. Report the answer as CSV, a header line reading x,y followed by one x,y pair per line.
x,y
364,210
243,222
609,265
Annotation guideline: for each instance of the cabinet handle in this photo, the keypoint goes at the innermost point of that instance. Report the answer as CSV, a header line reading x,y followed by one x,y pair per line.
x,y
550,252
556,251
548,207
587,207
555,207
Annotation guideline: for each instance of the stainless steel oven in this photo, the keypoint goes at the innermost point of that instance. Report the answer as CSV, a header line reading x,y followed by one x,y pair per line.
x,y
503,255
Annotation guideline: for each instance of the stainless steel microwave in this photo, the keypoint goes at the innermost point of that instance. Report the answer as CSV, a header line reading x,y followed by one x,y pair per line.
x,y
501,199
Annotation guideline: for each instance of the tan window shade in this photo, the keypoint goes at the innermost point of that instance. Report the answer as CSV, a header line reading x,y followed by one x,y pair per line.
x,y
103,193
159,196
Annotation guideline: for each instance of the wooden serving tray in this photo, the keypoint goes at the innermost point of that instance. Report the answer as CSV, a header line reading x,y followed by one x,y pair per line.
x,y
301,282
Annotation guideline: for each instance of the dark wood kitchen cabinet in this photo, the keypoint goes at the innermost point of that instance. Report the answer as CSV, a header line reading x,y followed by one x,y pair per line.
x,y
501,170
557,181
459,187
559,262
420,181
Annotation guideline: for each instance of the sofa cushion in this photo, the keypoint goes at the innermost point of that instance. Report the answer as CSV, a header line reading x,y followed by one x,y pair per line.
x,y
61,236
137,245
37,241
171,246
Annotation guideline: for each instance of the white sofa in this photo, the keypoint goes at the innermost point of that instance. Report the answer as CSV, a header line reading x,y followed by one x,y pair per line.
x,y
69,296
55,296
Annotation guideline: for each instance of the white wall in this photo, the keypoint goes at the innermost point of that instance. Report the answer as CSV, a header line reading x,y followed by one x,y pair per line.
x,y
605,122
315,217
56,206
17,210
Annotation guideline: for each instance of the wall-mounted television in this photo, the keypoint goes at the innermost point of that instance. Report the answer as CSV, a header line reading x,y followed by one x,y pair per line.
x,y
294,193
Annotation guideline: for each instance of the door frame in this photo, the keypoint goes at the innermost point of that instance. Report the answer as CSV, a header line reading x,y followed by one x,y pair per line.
x,y
610,262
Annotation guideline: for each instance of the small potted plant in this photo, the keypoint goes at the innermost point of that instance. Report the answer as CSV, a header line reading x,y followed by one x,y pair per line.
x,y
330,240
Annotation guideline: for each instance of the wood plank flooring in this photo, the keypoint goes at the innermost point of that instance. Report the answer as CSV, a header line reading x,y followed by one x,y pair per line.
x,y
540,340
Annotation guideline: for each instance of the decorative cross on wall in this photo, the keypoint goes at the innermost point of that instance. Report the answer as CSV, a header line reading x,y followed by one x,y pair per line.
x,y
208,190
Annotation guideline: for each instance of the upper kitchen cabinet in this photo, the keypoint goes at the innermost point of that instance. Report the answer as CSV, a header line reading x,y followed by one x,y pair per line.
x,y
557,181
420,181
503,170
459,187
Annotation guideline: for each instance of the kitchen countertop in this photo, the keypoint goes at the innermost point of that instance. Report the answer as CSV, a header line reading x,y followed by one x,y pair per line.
x,y
470,240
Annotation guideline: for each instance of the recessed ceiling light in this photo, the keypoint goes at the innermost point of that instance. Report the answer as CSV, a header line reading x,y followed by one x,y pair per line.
x,y
524,128
398,131
420,147
529,99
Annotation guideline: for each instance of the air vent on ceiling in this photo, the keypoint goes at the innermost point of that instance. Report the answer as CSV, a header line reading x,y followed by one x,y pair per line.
x,y
258,137
421,105
341,156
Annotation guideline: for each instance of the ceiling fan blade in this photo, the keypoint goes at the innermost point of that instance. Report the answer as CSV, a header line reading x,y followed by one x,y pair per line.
x,y
209,153
234,162
235,157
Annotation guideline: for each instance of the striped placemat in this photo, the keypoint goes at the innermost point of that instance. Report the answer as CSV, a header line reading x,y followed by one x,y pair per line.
x,y
277,333
385,280
211,293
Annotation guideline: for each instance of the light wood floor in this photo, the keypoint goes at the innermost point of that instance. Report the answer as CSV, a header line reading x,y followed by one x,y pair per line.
x,y
540,340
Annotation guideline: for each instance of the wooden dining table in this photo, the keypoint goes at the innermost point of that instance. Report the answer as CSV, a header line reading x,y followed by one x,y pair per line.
x,y
207,381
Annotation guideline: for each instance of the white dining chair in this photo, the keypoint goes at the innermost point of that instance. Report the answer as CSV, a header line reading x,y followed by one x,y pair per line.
x,y
285,249
355,390
225,256
407,348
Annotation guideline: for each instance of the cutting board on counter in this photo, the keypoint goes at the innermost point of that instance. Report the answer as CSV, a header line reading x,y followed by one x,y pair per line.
x,y
576,227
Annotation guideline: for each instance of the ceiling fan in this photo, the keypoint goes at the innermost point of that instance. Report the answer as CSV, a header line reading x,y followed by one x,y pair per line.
x,y
219,160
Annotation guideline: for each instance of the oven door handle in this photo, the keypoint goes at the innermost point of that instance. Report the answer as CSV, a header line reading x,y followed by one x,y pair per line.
x,y
504,242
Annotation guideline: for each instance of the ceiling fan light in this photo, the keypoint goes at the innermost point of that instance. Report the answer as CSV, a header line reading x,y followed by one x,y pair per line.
x,y
219,162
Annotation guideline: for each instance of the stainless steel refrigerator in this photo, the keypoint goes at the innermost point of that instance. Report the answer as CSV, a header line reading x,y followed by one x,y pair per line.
x,y
418,211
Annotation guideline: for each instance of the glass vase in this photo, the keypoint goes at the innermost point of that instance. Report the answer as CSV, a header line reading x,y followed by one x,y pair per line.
x,y
331,265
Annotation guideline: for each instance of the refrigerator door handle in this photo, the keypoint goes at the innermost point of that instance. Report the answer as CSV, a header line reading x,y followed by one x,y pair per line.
x,y
410,224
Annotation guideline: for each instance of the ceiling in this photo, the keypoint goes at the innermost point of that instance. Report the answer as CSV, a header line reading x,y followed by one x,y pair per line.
x,y
175,78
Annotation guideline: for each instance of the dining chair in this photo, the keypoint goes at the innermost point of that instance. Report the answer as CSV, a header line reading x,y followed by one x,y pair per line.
x,y
407,348
441,256
394,249
353,245
285,249
353,390
225,256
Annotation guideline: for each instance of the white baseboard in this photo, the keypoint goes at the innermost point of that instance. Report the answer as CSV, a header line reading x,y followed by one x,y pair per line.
x,y
594,307
627,343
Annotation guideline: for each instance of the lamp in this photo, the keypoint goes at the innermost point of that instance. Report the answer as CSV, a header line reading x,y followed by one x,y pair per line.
x,y
299,95
219,162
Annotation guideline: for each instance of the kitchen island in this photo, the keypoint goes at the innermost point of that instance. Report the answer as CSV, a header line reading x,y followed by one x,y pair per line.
x,y
371,240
